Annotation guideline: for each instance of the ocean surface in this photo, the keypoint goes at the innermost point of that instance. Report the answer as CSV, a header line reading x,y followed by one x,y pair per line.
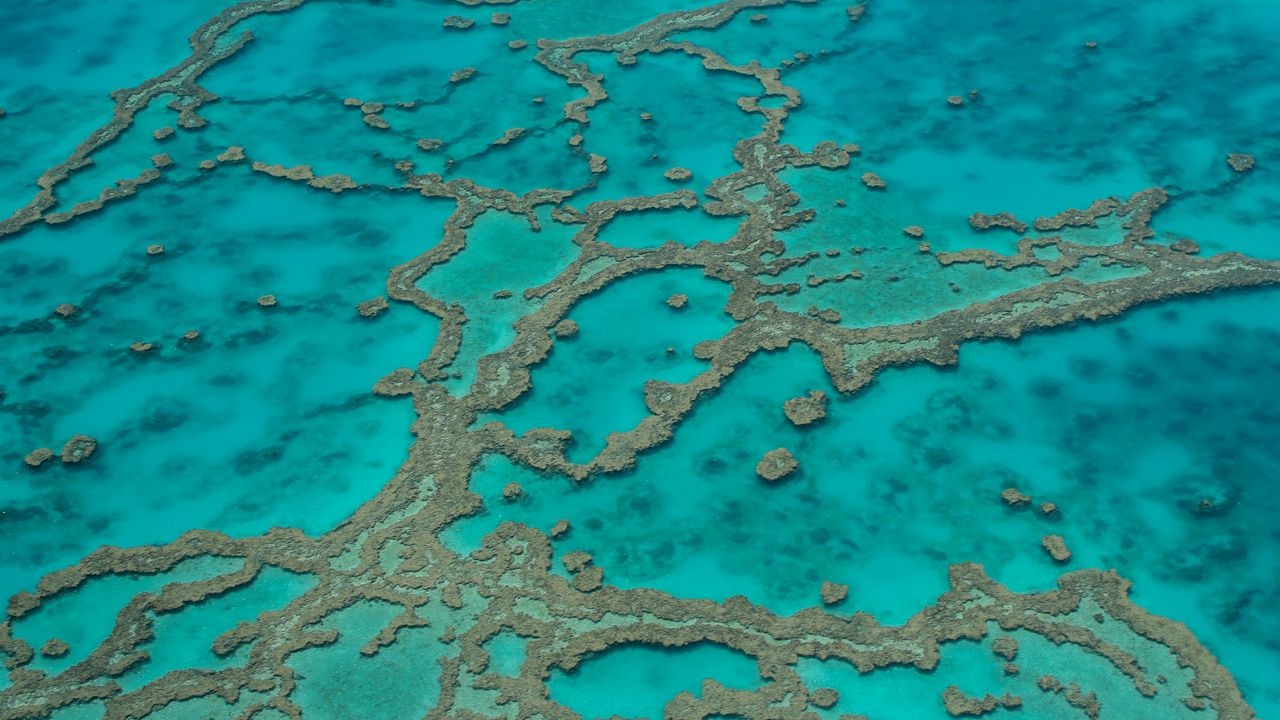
x,y
572,332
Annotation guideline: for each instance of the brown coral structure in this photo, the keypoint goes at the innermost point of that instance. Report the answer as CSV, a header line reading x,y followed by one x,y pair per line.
x,y
141,347
1056,546
500,18
874,181
824,697
958,704
982,221
833,593
66,310
235,153
267,301
457,22
776,464
163,133
677,301
1005,647
162,160
54,648
914,231
463,75
1015,497
806,410
373,307
566,329
191,336
154,250
335,183
559,529
506,583
1185,245
510,135
512,491
1240,162
38,457
1087,703
955,100
78,449
678,174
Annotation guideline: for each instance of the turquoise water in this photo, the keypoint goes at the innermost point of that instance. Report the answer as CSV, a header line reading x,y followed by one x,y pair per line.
x,y
369,555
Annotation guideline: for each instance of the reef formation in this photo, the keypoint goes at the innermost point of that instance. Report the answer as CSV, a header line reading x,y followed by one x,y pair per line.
x,y
389,551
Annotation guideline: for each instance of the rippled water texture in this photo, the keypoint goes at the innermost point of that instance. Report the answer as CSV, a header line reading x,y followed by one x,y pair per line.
x,y
554,358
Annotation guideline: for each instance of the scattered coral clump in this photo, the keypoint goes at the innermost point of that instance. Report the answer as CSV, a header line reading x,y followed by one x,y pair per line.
x,y
38,457
874,181
806,410
776,465
1240,162
372,308
78,449
833,593
1015,497
1056,546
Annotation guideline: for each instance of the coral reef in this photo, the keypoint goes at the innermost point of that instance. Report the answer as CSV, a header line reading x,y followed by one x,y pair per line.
x,y
1240,162
566,329
1015,497
833,593
982,221
78,449
38,457
776,464
806,410
373,307
1056,546
389,550
54,647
